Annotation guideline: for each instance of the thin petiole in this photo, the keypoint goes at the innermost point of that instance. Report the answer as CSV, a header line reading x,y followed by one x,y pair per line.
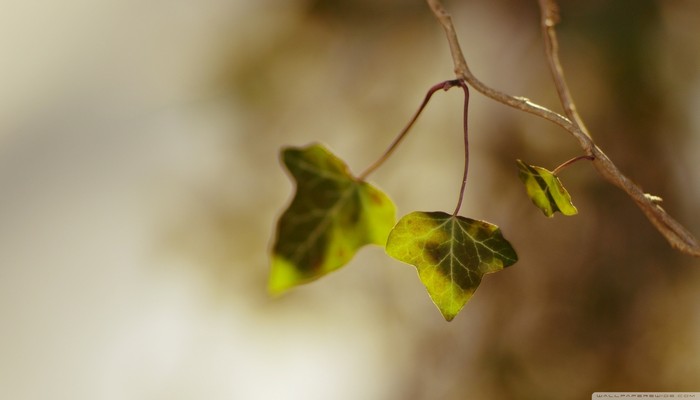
x,y
569,162
466,146
446,85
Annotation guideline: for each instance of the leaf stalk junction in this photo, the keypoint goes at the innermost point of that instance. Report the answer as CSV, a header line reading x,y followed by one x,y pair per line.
x,y
445,85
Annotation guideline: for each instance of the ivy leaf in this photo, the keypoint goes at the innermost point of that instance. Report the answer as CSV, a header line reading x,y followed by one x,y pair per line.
x,y
451,254
545,190
331,216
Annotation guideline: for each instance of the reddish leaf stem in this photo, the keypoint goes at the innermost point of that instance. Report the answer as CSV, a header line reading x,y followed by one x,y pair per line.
x,y
446,85
466,146
569,162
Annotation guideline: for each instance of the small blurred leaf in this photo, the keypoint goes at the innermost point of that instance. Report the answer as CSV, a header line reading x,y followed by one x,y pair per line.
x,y
331,216
545,190
451,254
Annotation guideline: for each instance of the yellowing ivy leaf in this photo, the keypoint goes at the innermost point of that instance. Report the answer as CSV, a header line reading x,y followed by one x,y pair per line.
x,y
331,216
545,190
451,254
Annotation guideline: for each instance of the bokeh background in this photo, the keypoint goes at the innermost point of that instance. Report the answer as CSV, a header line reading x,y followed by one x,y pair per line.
x,y
140,183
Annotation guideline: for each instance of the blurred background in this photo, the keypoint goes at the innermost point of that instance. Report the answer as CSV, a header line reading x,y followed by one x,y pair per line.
x,y
140,184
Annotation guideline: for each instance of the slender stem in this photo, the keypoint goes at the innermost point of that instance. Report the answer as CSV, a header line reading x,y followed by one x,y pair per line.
x,y
446,85
462,71
571,161
466,146
549,18
677,236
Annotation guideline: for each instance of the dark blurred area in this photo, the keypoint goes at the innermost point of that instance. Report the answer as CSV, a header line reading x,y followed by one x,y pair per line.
x,y
141,187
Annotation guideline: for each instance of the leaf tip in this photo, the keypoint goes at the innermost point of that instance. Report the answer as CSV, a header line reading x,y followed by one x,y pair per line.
x,y
283,276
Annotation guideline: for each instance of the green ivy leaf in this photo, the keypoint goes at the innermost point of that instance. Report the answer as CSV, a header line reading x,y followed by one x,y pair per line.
x,y
545,190
451,254
331,216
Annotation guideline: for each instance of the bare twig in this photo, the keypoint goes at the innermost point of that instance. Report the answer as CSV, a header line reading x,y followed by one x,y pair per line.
x,y
677,236
549,18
